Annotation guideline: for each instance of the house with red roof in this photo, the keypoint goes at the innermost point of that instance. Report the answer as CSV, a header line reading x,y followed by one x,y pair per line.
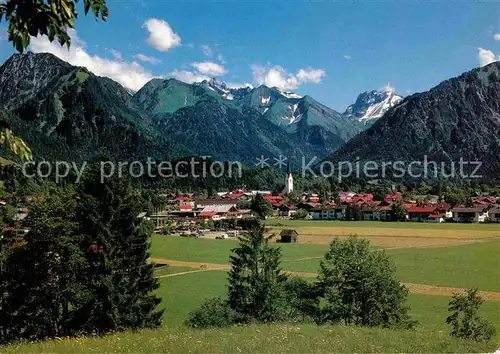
x,y
420,213
394,197
329,212
470,214
494,214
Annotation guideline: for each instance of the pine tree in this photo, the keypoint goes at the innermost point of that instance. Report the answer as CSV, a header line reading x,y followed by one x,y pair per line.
x,y
256,282
41,276
119,279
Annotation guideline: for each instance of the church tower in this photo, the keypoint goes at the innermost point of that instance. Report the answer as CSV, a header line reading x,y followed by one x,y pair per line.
x,y
288,181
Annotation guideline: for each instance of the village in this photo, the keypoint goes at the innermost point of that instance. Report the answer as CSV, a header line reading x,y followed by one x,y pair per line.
x,y
196,212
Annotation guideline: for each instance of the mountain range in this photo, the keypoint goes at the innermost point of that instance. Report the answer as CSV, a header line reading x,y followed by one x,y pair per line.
x,y
63,111
67,112
457,119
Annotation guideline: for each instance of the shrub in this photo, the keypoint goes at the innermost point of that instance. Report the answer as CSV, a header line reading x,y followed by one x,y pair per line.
x,y
465,320
300,214
357,285
213,312
302,299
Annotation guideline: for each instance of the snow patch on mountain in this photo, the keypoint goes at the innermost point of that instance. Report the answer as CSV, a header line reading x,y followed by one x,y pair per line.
x,y
372,105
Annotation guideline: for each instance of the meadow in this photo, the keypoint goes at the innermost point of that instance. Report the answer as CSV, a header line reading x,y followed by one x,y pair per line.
x,y
382,224
474,262
184,293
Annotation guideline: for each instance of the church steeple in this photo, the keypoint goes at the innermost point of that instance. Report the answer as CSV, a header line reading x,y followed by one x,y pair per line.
x,y
288,180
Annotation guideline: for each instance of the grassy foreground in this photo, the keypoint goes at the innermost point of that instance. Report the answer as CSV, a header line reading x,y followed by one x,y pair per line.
x,y
277,338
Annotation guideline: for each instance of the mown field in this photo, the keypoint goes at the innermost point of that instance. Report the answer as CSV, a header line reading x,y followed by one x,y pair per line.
x,y
388,234
474,263
382,224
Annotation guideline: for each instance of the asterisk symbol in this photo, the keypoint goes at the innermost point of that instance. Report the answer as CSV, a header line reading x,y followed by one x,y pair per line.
x,y
280,161
262,161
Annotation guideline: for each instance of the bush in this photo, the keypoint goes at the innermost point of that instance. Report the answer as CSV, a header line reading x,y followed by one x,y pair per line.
x,y
357,285
213,312
465,320
300,214
302,299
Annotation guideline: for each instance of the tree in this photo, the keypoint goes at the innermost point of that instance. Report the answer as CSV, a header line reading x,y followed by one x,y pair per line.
x,y
52,18
256,282
399,212
357,285
42,285
261,206
243,204
300,214
119,279
464,318
353,213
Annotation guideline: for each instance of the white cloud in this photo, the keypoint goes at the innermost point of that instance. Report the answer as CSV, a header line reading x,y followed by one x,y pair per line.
x,y
235,85
486,57
147,59
388,88
209,68
161,35
188,76
279,77
310,75
496,36
130,74
207,50
116,54
347,57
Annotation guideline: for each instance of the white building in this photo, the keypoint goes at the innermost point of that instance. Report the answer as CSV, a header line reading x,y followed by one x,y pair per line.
x,y
288,181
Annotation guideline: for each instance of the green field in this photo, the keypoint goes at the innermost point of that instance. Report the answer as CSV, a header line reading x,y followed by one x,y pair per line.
x,y
217,251
381,224
469,265
169,270
184,293
474,264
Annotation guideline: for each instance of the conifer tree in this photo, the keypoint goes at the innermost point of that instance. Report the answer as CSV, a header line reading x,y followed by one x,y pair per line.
x,y
119,279
41,276
256,282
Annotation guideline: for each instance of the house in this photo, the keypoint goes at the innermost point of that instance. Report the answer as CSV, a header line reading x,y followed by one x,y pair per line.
x,y
473,214
289,236
494,214
329,212
420,213
217,212
445,210
205,202
437,218
287,210
395,197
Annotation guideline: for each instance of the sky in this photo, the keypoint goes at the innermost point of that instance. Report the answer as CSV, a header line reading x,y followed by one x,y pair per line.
x,y
331,50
